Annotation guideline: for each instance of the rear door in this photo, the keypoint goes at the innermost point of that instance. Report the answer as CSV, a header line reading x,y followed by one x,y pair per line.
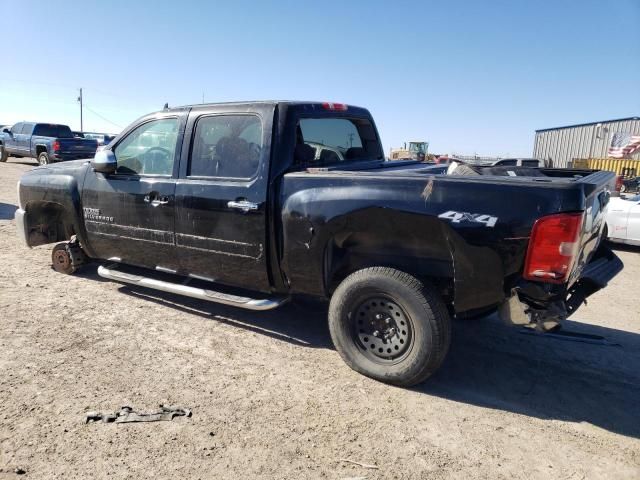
x,y
129,215
221,196
24,139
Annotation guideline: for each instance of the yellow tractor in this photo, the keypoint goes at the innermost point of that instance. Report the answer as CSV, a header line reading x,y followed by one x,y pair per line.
x,y
416,151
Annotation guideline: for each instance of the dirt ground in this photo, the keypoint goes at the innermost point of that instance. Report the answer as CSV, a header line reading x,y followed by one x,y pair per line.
x,y
272,399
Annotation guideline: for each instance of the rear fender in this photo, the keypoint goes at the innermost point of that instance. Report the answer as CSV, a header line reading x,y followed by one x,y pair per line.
x,y
39,148
380,237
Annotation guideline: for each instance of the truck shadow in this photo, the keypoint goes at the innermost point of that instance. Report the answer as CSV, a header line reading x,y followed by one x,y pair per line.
x,y
490,365
497,367
23,161
298,323
7,210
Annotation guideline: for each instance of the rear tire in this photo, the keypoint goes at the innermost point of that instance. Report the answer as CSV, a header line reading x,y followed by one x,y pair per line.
x,y
3,154
43,158
389,326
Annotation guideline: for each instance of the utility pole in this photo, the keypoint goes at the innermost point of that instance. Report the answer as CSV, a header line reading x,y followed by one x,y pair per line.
x,y
80,100
202,97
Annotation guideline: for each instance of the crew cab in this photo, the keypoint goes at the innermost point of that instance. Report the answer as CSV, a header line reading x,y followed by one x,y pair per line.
x,y
231,203
47,142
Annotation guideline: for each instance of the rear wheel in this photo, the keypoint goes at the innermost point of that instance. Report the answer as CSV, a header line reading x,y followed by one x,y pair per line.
x,y
43,158
389,326
3,154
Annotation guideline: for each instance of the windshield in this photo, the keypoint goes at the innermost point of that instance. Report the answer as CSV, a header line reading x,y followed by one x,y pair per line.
x,y
418,147
328,141
52,130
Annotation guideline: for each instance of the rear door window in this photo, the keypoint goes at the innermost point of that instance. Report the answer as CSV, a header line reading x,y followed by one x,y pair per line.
x,y
226,146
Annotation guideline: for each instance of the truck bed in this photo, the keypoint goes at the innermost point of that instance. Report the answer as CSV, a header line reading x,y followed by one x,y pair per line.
x,y
476,226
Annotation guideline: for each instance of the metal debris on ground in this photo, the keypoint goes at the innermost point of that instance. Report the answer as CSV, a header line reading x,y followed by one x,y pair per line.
x,y
363,465
128,415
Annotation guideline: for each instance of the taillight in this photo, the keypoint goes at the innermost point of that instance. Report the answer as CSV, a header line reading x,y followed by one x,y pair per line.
x,y
553,247
619,182
56,146
334,106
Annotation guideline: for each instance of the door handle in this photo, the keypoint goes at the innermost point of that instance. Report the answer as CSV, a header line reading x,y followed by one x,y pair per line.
x,y
243,205
155,199
160,201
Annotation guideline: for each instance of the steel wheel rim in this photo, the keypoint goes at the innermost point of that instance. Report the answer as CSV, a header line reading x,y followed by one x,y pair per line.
x,y
382,330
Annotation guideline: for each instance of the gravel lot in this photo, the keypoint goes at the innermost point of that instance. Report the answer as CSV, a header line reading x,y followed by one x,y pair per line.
x,y
272,399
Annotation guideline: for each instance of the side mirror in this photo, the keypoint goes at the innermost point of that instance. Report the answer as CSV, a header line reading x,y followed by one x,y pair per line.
x,y
104,162
6,130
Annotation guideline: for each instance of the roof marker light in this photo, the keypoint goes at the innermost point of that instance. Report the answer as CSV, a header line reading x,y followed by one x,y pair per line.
x,y
335,106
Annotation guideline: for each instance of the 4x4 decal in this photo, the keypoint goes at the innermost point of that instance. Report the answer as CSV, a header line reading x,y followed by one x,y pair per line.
x,y
459,217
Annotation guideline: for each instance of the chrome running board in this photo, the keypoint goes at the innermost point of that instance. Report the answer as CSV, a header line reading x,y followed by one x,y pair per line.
x,y
112,273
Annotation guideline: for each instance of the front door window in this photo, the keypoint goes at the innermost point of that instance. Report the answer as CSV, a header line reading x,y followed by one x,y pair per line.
x,y
149,149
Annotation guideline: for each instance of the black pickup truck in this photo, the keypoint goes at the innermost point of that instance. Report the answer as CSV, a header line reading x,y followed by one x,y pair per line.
x,y
46,142
232,203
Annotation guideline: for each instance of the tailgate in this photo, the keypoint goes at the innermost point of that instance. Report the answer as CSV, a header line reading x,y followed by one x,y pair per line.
x,y
596,189
77,146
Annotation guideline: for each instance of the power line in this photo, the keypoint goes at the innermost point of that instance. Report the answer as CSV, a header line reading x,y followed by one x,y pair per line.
x,y
103,118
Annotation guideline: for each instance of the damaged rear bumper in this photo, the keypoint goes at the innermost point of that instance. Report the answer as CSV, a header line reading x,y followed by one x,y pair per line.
x,y
544,304
595,276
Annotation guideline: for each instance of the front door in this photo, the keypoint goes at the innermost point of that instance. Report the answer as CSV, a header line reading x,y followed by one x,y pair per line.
x,y
221,198
130,215
12,140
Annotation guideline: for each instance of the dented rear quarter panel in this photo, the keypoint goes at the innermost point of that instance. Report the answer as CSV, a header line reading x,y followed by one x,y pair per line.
x,y
394,219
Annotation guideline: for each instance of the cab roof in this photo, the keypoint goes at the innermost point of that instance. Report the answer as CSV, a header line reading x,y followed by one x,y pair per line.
x,y
290,103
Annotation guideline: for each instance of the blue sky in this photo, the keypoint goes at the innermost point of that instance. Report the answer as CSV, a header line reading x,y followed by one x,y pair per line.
x,y
468,76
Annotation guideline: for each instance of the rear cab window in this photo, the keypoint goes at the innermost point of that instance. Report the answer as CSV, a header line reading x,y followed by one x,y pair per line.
x,y
530,163
325,141
52,130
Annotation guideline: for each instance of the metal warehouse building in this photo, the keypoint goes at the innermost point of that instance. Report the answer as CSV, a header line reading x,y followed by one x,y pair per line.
x,y
585,140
